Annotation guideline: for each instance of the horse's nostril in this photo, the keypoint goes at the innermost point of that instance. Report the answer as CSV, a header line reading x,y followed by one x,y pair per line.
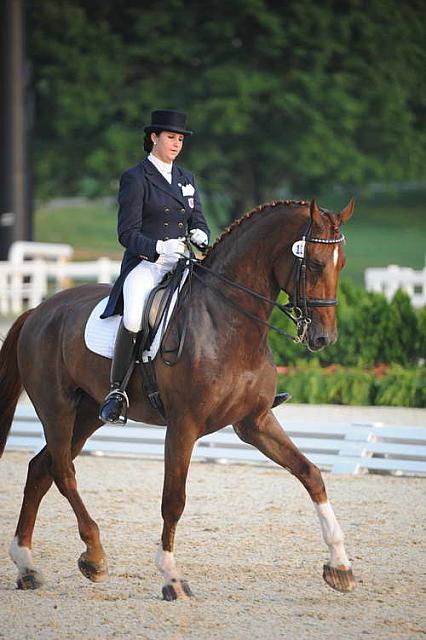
x,y
320,342
316,343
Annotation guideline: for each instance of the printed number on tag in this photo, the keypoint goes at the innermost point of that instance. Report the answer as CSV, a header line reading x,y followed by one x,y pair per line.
x,y
298,248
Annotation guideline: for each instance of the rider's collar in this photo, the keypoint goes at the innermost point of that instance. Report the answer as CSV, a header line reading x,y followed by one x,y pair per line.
x,y
165,168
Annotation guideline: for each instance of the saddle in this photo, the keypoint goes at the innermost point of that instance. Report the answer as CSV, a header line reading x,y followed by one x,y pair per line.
x,y
156,318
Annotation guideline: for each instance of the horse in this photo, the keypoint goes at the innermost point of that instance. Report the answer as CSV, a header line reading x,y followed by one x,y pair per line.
x,y
225,375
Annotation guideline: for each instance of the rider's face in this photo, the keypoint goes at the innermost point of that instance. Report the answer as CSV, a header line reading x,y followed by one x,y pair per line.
x,y
167,145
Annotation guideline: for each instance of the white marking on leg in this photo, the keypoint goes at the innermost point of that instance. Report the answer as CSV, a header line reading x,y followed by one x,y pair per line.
x,y
333,535
21,556
165,562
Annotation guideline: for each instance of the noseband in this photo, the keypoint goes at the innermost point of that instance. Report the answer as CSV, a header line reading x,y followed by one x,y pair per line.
x,y
299,302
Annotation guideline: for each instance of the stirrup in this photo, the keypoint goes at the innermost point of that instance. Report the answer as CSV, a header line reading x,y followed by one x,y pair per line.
x,y
118,392
120,396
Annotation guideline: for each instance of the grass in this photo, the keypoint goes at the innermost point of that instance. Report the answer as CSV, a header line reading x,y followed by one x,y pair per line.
x,y
377,235
90,229
381,235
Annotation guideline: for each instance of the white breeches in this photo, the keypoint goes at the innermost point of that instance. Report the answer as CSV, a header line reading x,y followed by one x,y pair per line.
x,y
137,287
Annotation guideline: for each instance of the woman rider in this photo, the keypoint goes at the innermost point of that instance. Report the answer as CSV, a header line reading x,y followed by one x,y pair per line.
x,y
158,204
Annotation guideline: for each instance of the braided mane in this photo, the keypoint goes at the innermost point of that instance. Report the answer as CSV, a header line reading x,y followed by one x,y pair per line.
x,y
246,216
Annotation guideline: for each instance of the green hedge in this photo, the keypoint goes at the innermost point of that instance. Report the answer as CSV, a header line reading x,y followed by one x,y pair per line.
x,y
311,383
371,331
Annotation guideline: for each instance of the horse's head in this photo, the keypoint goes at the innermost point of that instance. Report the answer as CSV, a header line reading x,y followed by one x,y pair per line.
x,y
313,280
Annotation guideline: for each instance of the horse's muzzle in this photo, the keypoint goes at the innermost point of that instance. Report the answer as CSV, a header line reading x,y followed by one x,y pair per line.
x,y
317,341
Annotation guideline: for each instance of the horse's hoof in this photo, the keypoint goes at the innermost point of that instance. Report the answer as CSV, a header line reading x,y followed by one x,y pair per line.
x,y
94,571
340,579
30,580
178,590
280,398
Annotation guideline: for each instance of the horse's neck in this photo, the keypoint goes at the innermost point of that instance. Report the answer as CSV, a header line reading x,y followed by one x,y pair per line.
x,y
246,254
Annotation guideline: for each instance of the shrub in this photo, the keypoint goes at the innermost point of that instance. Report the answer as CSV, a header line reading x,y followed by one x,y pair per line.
x,y
371,331
312,384
421,335
403,345
402,388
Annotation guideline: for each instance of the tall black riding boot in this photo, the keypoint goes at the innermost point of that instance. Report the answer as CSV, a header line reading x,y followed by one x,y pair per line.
x,y
114,408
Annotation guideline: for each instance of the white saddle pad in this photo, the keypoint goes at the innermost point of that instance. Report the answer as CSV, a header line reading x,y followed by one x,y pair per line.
x,y
100,334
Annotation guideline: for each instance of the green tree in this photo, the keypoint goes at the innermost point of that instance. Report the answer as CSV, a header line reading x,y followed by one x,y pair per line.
x,y
77,63
287,97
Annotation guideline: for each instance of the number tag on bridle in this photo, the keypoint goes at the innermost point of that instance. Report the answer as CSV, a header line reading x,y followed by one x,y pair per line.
x,y
298,248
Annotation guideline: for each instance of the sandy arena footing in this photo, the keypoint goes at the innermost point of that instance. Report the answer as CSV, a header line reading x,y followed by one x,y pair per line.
x,y
249,544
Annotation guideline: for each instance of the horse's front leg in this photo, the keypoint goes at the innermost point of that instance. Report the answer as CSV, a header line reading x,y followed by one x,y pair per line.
x,y
178,449
266,434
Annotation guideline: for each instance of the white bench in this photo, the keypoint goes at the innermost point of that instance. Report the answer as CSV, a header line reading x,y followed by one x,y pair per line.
x,y
339,448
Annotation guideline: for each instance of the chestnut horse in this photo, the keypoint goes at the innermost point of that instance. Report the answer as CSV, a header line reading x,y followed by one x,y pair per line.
x,y
225,376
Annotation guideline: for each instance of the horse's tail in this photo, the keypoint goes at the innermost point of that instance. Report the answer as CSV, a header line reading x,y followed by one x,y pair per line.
x,y
10,379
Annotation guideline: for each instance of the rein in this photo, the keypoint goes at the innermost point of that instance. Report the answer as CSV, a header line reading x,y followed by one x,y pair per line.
x,y
285,308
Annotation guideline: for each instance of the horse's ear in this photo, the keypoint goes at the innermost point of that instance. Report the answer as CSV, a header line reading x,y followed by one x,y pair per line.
x,y
315,212
347,212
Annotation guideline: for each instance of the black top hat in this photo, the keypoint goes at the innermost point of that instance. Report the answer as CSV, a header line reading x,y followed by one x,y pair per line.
x,y
168,120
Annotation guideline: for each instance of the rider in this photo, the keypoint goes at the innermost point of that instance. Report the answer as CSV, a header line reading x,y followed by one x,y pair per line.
x,y
158,204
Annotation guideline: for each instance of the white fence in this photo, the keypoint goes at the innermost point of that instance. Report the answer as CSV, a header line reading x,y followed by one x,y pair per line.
x,y
389,279
339,448
33,267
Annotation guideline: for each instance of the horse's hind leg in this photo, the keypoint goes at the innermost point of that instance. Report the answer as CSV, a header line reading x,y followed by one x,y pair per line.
x,y
266,434
39,480
38,483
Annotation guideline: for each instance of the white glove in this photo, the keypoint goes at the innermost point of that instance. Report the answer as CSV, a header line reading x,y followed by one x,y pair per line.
x,y
199,238
173,248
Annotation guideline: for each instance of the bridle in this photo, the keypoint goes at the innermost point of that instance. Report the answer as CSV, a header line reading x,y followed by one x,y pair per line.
x,y
297,309
299,302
